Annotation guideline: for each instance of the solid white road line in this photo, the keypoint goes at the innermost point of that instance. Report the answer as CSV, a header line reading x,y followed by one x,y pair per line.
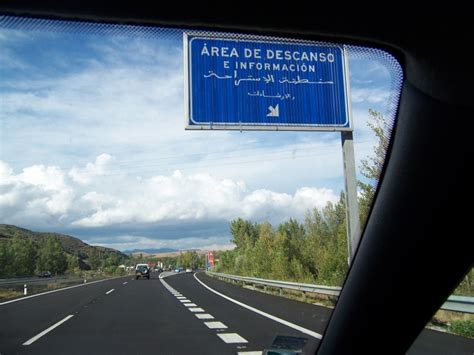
x,y
110,291
276,319
190,304
58,290
231,338
36,337
204,316
215,325
196,309
250,353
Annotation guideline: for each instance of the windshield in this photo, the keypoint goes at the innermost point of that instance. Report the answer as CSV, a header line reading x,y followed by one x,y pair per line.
x,y
98,174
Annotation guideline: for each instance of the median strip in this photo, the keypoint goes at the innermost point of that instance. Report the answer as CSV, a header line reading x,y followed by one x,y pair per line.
x,y
46,331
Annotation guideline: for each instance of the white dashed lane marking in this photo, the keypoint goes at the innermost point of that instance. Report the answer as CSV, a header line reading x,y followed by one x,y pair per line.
x,y
231,338
110,291
46,331
125,283
215,325
204,316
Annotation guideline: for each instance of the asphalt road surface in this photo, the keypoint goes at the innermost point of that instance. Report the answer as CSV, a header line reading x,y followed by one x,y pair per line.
x,y
178,314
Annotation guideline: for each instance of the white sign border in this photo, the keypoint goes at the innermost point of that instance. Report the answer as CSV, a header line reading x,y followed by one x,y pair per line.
x,y
238,126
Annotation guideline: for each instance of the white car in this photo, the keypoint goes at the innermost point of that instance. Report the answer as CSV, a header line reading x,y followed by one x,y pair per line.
x,y
143,271
189,270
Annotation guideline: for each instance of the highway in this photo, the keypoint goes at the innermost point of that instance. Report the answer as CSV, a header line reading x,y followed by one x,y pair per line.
x,y
176,314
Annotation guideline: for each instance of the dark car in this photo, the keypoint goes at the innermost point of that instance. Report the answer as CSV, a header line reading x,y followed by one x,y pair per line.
x,y
142,270
45,274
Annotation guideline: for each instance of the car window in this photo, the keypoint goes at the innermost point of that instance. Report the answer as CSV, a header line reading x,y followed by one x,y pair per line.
x,y
111,178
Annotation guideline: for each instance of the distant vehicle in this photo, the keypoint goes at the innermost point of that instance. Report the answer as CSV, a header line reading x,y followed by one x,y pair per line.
x,y
142,270
45,274
188,270
178,269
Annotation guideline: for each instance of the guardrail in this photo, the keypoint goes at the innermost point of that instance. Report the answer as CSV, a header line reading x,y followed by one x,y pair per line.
x,y
454,303
326,290
459,304
35,280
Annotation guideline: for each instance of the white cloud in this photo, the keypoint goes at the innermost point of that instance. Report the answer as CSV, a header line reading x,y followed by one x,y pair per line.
x,y
47,191
125,104
98,168
37,191
130,242
126,99
370,95
48,178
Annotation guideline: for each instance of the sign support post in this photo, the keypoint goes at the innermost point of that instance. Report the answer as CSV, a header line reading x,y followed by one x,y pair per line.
x,y
350,184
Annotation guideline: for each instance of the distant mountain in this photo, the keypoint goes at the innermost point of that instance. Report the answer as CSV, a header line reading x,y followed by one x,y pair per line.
x,y
151,251
71,245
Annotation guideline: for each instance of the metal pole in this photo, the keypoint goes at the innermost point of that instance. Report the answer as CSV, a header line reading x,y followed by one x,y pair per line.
x,y
350,183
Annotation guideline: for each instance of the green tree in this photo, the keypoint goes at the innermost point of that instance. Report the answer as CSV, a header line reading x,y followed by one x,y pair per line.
x,y
112,260
263,251
73,262
51,256
5,260
94,260
227,261
22,256
326,248
189,259
244,233
371,168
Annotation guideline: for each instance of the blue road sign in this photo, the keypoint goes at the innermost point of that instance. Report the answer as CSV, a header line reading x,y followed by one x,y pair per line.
x,y
260,84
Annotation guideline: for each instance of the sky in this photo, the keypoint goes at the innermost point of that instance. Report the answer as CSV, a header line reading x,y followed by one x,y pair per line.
x,y
92,144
